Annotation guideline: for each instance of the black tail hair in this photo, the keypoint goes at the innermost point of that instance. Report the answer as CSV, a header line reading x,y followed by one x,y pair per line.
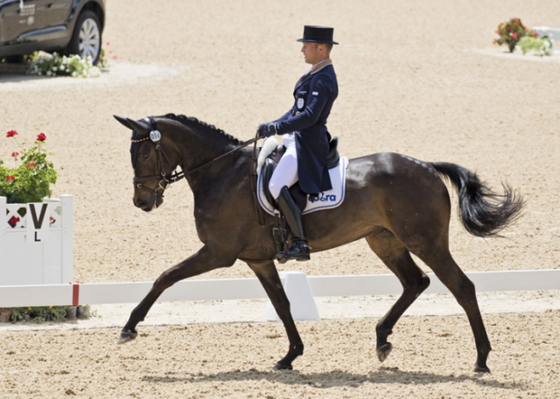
x,y
484,213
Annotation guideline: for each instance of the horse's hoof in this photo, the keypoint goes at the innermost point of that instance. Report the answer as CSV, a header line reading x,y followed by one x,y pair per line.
x,y
383,351
280,366
127,336
481,369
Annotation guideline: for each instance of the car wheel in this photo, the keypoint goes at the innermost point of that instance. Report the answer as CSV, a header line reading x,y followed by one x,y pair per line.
x,y
86,39
15,59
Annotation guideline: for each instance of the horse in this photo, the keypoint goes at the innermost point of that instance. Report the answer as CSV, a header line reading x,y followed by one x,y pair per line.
x,y
398,204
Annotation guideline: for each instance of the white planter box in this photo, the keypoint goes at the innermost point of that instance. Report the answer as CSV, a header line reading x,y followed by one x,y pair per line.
x,y
38,249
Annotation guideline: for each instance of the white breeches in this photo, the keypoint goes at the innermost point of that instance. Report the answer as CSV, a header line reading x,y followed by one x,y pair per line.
x,y
286,173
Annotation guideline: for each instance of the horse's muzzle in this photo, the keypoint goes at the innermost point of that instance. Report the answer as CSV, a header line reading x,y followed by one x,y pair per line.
x,y
147,204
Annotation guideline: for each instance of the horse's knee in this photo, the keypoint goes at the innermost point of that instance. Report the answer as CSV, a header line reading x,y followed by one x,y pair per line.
x,y
417,284
424,282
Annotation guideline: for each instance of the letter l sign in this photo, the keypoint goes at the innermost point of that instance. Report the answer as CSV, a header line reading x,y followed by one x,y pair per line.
x,y
38,222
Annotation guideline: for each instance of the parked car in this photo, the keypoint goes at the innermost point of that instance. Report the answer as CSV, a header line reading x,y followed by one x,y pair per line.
x,y
65,26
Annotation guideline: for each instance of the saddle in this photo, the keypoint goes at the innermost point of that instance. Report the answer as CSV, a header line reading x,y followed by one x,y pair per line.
x,y
271,162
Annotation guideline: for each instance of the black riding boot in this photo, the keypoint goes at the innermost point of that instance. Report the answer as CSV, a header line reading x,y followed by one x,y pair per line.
x,y
299,250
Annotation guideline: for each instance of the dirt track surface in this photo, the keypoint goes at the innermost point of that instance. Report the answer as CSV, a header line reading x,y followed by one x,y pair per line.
x,y
418,78
429,360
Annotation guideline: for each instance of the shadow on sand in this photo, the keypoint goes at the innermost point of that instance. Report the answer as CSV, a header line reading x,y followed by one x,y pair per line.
x,y
335,378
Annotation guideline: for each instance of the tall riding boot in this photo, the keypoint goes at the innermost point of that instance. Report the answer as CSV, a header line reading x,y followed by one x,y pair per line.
x,y
299,250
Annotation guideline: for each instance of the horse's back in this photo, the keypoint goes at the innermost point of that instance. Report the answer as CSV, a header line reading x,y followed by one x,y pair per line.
x,y
389,170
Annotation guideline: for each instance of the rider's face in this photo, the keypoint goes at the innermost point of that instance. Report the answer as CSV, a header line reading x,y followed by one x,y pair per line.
x,y
312,52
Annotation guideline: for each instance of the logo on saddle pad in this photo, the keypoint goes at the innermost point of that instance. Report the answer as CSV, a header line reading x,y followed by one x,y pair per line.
x,y
325,200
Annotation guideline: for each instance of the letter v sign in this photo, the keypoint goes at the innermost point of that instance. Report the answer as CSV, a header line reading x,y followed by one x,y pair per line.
x,y
38,222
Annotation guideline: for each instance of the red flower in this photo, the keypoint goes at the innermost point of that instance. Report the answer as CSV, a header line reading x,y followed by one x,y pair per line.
x,y
30,165
41,137
52,220
13,221
514,35
11,133
15,154
10,178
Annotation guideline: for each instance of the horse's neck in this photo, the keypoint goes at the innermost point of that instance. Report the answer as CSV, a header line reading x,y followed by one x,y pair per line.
x,y
200,151
212,181
202,147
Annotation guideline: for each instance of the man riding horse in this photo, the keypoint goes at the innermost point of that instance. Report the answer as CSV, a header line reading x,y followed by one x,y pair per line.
x,y
305,135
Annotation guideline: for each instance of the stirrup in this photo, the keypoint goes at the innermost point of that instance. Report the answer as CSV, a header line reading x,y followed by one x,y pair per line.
x,y
299,251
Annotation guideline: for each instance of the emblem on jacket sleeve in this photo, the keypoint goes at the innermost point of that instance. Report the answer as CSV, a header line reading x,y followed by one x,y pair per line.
x,y
300,103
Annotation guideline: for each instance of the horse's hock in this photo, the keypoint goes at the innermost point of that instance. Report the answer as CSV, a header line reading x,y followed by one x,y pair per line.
x,y
36,242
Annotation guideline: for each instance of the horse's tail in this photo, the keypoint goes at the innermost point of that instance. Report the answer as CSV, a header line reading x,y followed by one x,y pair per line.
x,y
484,213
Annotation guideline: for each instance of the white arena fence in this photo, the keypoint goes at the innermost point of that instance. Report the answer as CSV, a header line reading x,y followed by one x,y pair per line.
x,y
300,289
36,254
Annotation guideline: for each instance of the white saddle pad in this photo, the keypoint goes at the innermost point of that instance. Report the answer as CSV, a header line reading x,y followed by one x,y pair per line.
x,y
327,199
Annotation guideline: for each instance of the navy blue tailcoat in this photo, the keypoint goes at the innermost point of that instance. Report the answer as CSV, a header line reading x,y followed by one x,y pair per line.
x,y
314,96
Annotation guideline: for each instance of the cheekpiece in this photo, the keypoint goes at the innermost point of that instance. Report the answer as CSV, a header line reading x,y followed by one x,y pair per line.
x,y
317,34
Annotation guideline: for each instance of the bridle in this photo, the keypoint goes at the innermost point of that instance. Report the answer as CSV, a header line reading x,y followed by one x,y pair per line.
x,y
164,180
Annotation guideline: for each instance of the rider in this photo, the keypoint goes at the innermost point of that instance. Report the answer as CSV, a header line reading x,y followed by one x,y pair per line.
x,y
305,135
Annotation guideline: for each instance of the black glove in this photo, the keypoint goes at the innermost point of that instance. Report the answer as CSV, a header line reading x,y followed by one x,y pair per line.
x,y
266,129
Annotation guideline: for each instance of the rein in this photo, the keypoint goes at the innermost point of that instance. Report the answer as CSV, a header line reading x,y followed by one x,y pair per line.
x,y
245,144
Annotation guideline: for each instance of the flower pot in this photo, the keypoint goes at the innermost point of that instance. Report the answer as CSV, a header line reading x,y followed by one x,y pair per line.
x,y
71,312
84,312
5,315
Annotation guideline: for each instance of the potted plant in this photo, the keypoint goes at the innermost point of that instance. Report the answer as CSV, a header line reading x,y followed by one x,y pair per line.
x,y
35,231
511,32
32,175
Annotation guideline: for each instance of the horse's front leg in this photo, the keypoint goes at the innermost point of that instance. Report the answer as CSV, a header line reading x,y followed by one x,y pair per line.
x,y
270,280
204,260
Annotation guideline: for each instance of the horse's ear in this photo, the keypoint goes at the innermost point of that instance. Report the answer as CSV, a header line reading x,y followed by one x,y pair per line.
x,y
140,126
123,121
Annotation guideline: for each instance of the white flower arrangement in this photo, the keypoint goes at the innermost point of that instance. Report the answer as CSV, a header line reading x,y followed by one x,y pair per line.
x,y
535,46
72,65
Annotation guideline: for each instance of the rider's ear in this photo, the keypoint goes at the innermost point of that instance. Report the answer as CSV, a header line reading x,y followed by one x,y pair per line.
x,y
123,121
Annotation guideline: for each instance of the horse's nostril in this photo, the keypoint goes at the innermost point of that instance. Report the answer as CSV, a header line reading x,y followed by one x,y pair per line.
x,y
140,203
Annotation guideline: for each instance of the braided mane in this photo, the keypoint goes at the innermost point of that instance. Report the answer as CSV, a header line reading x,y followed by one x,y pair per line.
x,y
190,121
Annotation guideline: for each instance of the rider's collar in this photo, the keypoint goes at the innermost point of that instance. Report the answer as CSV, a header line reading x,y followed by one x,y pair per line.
x,y
320,65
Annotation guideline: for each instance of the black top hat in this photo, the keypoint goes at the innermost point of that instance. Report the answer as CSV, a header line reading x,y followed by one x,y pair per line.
x,y
317,34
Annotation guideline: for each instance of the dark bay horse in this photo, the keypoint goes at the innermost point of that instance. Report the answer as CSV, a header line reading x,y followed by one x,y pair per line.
x,y
400,205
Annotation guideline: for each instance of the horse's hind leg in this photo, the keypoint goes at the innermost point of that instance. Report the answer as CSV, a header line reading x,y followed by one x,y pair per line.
x,y
270,280
449,273
397,258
